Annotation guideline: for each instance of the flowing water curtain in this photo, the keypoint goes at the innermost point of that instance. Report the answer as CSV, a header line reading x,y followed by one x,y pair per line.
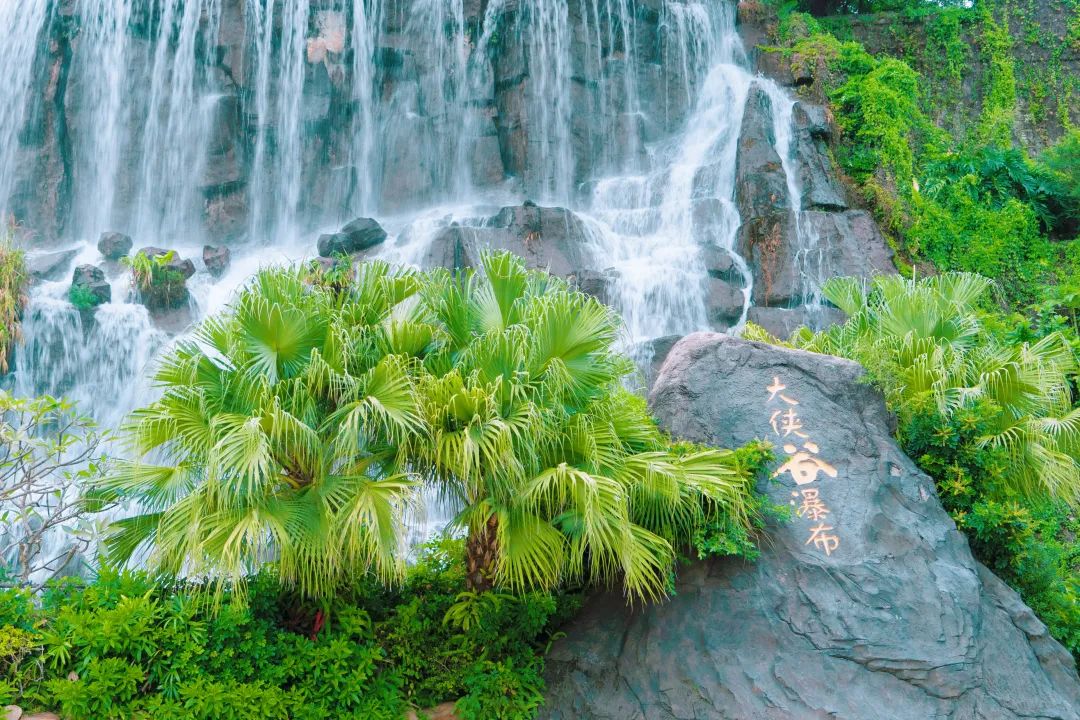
x,y
183,108
654,228
547,41
103,77
363,159
278,49
21,26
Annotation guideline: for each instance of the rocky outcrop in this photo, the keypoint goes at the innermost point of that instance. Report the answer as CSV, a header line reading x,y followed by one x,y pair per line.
x,y
792,244
49,265
216,258
356,236
114,245
89,288
866,604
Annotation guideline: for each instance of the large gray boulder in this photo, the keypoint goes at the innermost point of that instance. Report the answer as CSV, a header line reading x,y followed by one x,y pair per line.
x,y
356,236
548,238
867,604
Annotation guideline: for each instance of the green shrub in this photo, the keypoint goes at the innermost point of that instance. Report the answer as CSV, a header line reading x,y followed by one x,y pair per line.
x,y
14,279
124,647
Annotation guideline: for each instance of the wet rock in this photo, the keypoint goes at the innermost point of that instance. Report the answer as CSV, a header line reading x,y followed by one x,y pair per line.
x,y
216,258
821,189
814,119
760,180
720,264
51,265
657,351
897,621
548,238
114,245
597,283
782,322
166,288
357,236
89,282
724,302
181,266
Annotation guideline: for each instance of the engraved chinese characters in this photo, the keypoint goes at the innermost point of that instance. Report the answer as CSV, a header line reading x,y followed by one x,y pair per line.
x,y
804,466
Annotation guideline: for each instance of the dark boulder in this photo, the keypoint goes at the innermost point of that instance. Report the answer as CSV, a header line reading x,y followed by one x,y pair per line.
x,y
548,238
866,604
89,282
165,289
597,283
821,189
724,303
357,236
114,245
50,265
216,258
720,264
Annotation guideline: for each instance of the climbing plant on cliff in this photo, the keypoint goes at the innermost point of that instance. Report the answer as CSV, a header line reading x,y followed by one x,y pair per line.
x,y
13,282
298,426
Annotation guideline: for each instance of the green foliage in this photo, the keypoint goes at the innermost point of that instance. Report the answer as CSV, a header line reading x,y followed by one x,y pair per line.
x,y
154,278
300,424
125,648
83,298
972,203
14,279
999,101
48,452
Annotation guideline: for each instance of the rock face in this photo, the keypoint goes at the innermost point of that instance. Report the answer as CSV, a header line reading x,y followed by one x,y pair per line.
x,y
867,604
796,235
49,266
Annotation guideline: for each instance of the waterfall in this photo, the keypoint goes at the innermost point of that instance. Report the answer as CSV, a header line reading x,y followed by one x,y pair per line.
x,y
21,24
652,228
422,113
277,174
179,116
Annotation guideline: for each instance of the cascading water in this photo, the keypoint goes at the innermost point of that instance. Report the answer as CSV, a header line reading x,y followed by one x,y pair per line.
x,y
325,110
811,265
21,24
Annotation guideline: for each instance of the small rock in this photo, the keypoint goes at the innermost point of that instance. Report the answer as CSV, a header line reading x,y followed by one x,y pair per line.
x,y
216,258
114,245
357,236
92,278
49,266
13,712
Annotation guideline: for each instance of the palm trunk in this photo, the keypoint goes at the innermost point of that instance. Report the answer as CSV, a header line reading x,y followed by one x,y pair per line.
x,y
481,553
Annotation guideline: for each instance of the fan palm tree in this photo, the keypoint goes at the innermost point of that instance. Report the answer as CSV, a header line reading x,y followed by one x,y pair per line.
x,y
297,428
560,471
925,338
278,437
